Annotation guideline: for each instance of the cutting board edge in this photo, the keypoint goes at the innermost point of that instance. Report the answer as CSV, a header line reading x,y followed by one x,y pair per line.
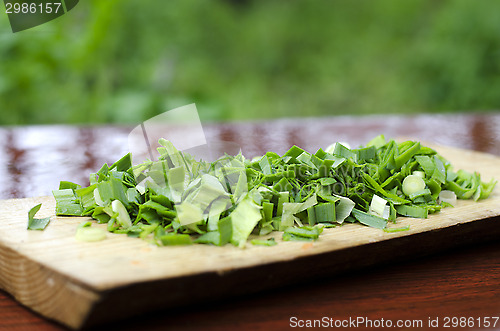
x,y
35,286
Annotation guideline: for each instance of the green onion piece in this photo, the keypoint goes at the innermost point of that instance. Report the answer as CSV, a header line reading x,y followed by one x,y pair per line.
x,y
37,223
225,228
434,187
392,213
123,216
267,210
324,212
419,173
189,213
134,231
66,203
446,204
172,239
265,165
112,189
377,142
146,230
426,163
343,151
404,228
123,164
86,197
439,172
343,208
367,153
421,193
370,220
97,198
102,214
294,152
412,211
487,188
290,209
85,224
377,206
212,238
216,209
68,185
462,193
403,158
90,234
244,218
448,197
304,233
327,181
378,188
260,242
412,184
283,185
311,216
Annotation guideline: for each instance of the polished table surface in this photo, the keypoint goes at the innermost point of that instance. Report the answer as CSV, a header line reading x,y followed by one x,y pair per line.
x,y
463,283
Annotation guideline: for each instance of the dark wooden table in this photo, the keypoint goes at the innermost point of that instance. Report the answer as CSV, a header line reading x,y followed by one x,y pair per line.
x,y
462,283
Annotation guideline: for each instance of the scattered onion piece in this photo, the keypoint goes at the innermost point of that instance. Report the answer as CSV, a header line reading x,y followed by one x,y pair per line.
x,y
90,234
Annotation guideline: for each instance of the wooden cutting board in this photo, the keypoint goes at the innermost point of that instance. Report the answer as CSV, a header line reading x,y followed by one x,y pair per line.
x,y
82,284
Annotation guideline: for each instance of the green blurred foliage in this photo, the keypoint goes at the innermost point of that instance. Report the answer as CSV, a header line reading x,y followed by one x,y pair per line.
x,y
123,61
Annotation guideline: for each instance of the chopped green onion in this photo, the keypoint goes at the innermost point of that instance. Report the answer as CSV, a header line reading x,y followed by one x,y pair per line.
x,y
377,206
66,203
171,239
260,242
412,184
448,197
244,218
418,194
123,216
37,223
179,200
404,228
304,233
370,220
412,211
90,234
419,173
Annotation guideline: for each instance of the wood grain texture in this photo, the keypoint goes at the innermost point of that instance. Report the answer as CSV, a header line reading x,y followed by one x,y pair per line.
x,y
87,283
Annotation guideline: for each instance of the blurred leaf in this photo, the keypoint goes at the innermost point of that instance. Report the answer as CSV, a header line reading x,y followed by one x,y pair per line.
x,y
125,61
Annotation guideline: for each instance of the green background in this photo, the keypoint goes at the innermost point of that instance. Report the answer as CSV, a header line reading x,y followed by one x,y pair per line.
x,y
124,61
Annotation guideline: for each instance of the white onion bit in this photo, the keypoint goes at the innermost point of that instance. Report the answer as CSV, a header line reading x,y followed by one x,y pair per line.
x,y
447,196
412,184
123,216
97,198
420,174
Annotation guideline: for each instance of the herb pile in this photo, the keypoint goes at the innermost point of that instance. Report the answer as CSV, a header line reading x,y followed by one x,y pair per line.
x,y
178,200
